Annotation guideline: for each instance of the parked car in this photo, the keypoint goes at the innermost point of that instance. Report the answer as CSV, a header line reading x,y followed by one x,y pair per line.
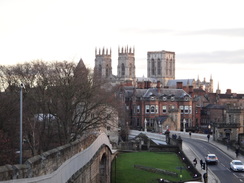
x,y
211,158
236,165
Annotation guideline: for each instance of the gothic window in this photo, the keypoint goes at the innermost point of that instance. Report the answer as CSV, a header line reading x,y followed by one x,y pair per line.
x,y
107,70
167,66
152,109
130,70
123,69
100,69
159,67
153,67
170,67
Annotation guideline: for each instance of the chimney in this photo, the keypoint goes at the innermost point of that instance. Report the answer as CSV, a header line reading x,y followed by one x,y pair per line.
x,y
158,84
179,85
228,91
190,89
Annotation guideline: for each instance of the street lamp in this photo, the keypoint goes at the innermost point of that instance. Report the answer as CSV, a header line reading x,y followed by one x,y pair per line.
x,y
209,128
21,111
145,125
184,125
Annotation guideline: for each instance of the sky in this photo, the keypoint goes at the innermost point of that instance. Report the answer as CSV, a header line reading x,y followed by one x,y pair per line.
x,y
206,36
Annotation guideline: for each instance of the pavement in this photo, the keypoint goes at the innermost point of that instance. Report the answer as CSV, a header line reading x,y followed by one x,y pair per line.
x,y
191,154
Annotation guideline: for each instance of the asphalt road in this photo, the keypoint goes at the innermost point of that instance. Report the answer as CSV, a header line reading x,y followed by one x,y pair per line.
x,y
221,170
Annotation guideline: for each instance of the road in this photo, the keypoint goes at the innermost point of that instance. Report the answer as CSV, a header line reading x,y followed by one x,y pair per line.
x,y
221,170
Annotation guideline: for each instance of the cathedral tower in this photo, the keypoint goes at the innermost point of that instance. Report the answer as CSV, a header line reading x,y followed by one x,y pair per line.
x,y
126,64
103,63
161,66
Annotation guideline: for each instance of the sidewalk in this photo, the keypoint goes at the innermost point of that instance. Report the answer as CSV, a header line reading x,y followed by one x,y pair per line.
x,y
191,154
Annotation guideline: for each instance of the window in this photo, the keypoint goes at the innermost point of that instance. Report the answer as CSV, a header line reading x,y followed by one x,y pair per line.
x,y
147,109
164,109
152,109
153,67
123,69
108,128
172,98
138,109
107,70
186,109
137,122
159,67
190,109
182,109
164,98
156,109
135,109
130,70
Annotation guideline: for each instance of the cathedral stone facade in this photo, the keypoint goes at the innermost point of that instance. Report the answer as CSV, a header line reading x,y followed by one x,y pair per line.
x,y
161,65
103,63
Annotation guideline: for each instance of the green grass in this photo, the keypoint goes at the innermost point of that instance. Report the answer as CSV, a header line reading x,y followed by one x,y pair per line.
x,y
126,173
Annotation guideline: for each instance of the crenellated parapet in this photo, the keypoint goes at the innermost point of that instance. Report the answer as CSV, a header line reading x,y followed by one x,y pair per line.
x,y
126,50
103,51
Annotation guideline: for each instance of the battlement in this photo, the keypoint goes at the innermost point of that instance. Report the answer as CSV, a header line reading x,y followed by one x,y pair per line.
x,y
102,52
126,50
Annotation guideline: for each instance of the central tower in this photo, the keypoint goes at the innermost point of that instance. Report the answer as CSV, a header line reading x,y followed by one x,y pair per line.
x,y
161,65
126,64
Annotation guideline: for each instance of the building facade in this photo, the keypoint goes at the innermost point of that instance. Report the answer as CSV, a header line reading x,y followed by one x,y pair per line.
x,y
158,108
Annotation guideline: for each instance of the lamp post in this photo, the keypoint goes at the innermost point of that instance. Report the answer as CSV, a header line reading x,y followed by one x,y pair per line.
x,y
21,111
184,125
145,125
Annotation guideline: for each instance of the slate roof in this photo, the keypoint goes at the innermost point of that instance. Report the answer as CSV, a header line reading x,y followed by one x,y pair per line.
x,y
185,82
161,119
214,106
145,93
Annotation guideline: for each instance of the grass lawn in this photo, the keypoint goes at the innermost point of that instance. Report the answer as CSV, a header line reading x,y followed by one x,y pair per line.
x,y
124,171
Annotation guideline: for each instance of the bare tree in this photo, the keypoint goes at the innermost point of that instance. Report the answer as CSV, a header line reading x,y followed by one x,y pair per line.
x,y
68,92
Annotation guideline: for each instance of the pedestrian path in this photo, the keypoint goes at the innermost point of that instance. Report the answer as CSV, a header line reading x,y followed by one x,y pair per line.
x,y
191,154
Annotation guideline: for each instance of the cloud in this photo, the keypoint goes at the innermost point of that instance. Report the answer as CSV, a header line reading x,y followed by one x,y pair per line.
x,y
219,57
233,32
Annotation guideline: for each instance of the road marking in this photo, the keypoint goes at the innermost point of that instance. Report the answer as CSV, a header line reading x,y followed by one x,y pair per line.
x,y
228,169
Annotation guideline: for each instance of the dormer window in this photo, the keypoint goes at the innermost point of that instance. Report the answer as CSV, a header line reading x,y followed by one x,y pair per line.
x,y
152,98
186,98
164,98
172,98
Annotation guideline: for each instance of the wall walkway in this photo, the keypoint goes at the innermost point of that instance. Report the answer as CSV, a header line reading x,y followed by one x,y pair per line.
x,y
69,167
